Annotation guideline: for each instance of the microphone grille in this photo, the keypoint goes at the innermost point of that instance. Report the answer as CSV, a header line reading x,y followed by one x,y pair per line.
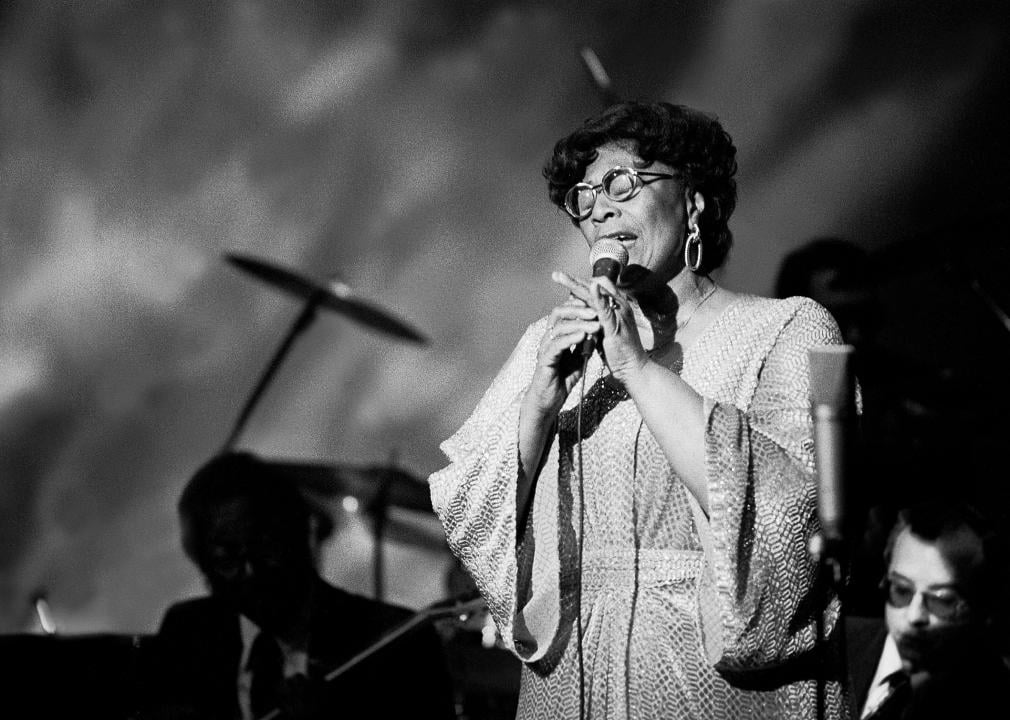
x,y
608,248
832,376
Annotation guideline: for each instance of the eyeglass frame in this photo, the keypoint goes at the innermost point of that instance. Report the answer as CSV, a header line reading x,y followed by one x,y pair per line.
x,y
637,185
931,599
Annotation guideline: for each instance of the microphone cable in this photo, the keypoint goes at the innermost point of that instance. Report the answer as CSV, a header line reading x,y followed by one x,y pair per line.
x,y
582,528
608,257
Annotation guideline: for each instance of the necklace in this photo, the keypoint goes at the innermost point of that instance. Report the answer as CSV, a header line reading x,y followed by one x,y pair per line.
x,y
662,342
708,293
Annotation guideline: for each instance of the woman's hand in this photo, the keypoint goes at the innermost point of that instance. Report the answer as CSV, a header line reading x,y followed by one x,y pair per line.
x,y
588,312
612,309
559,367
559,359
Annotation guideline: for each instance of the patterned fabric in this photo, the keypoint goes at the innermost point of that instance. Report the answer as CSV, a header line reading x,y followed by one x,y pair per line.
x,y
683,616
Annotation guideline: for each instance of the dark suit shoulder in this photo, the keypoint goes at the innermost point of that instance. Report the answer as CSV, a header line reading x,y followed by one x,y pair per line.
x,y
861,628
864,640
978,682
189,607
369,614
197,613
346,623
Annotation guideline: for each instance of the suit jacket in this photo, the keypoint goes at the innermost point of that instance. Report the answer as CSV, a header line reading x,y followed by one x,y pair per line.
x,y
193,662
864,637
974,686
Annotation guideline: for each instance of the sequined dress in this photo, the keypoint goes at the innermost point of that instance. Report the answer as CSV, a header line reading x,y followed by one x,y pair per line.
x,y
683,616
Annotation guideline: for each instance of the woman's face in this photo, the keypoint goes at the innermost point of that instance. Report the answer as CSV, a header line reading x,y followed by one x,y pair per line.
x,y
651,225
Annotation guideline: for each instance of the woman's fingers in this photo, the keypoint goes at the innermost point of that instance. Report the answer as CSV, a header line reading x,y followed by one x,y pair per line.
x,y
591,305
608,302
570,313
578,290
605,293
563,335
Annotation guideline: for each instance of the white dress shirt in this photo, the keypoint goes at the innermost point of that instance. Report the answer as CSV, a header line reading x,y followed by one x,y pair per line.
x,y
295,662
890,662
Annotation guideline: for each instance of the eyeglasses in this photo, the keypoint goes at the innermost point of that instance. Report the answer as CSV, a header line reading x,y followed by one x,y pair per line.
x,y
619,184
229,562
944,604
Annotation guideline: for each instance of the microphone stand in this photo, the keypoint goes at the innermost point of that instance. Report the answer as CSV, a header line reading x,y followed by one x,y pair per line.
x,y
834,413
461,606
830,555
599,77
380,514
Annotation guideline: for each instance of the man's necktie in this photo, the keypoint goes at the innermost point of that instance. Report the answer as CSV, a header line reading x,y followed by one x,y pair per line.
x,y
266,664
899,690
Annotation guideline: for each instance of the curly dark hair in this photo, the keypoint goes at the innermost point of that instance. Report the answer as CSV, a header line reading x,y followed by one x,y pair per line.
x,y
688,140
983,551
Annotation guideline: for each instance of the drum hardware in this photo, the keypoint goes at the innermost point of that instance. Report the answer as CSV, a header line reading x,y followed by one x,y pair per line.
x,y
376,488
452,607
332,295
599,77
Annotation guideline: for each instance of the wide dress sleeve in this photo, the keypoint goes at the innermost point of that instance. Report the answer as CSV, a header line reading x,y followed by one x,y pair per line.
x,y
757,605
761,605
474,496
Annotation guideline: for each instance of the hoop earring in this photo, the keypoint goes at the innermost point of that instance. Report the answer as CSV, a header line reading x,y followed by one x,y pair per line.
x,y
693,238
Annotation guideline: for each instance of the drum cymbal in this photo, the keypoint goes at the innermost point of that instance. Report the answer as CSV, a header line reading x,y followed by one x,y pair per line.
x,y
332,294
366,483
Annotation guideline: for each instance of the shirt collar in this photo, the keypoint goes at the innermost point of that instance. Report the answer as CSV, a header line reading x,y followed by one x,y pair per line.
x,y
295,661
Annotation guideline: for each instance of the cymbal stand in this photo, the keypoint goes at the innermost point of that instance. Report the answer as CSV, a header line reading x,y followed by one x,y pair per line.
x,y
380,512
598,76
831,556
462,607
990,302
301,323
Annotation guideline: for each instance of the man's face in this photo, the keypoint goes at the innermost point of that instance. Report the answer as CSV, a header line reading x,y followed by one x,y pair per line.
x,y
927,612
257,564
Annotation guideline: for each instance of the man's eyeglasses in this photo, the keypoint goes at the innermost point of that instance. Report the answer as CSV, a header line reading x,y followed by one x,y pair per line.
x,y
619,184
230,562
944,604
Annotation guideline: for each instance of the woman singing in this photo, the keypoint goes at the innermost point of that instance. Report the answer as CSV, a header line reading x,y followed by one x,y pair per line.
x,y
638,522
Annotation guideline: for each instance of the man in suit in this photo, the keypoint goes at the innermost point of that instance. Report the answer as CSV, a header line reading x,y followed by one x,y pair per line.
x,y
931,656
271,629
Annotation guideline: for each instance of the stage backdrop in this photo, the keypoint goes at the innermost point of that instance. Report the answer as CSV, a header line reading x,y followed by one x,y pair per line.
x,y
399,146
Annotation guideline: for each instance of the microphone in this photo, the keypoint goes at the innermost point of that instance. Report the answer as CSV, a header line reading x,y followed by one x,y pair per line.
x,y
608,258
833,409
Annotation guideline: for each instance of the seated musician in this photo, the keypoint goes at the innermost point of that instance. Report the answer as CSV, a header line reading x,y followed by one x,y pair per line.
x,y
933,654
264,639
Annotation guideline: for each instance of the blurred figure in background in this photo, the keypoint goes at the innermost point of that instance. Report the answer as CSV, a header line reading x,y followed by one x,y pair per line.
x,y
838,275
934,655
271,628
